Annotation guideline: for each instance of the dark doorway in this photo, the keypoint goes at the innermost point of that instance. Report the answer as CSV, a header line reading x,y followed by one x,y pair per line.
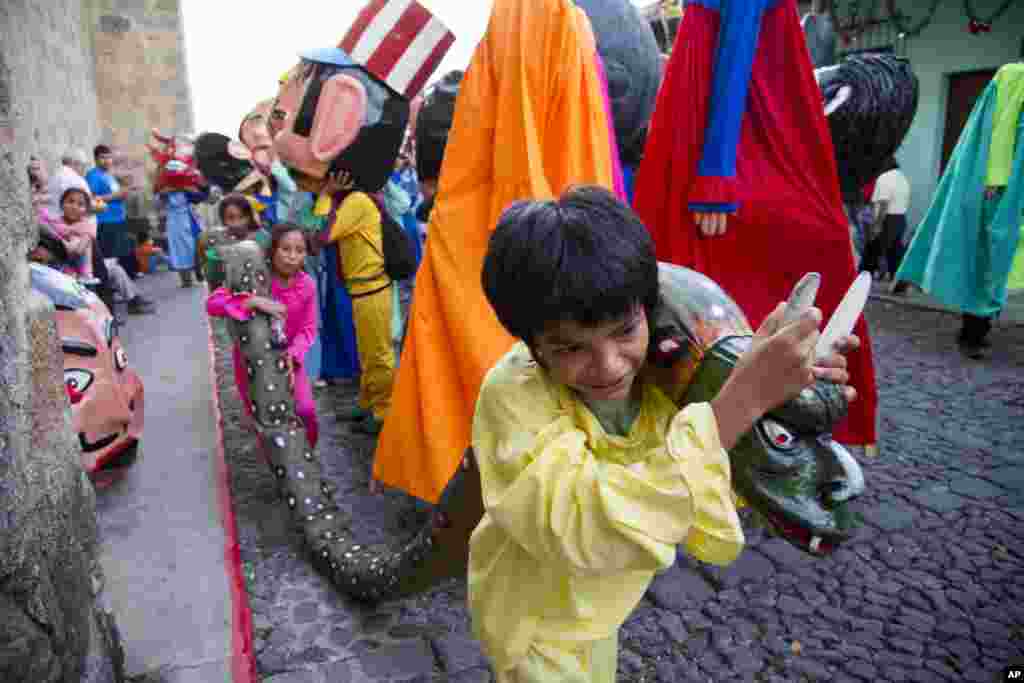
x,y
964,90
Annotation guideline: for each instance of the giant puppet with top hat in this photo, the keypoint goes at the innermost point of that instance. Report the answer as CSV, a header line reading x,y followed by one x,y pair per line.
x,y
346,108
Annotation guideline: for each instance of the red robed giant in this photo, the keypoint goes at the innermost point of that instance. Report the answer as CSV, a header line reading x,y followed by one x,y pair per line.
x,y
739,128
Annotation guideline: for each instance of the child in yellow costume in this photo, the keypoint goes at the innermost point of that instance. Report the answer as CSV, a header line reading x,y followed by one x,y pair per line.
x,y
354,228
591,476
530,121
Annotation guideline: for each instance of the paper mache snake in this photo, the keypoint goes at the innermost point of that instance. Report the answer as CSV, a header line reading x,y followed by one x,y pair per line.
x,y
787,467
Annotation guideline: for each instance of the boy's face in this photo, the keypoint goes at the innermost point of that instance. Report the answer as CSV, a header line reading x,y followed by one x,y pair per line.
x,y
600,362
105,161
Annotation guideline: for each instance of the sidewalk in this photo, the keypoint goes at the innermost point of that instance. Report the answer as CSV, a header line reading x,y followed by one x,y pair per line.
x,y
163,542
1013,314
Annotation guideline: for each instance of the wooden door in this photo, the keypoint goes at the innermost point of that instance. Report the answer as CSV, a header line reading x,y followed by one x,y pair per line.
x,y
964,90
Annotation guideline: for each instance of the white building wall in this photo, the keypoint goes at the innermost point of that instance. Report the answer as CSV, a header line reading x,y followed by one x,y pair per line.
x,y
946,47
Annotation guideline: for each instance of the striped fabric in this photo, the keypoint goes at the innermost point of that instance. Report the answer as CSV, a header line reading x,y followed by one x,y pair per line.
x,y
398,41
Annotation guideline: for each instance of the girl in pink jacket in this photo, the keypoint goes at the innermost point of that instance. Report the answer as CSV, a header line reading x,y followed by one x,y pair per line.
x,y
293,300
75,227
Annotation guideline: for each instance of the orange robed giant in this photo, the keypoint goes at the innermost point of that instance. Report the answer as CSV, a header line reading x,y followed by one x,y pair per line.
x,y
530,121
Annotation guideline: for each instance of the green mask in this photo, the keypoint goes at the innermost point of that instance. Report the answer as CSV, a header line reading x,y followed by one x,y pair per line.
x,y
788,468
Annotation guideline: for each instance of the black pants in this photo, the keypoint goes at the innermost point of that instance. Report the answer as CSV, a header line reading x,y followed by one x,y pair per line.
x,y
99,270
888,244
116,241
975,328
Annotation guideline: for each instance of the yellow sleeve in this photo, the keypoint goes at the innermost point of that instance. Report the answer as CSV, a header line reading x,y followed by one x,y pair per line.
x,y
354,212
543,485
1009,100
322,206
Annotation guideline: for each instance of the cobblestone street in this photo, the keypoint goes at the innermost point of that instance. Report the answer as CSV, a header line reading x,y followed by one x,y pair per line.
x,y
931,590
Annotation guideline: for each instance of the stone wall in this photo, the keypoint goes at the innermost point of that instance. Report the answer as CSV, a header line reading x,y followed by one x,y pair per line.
x,y
53,626
39,46
141,78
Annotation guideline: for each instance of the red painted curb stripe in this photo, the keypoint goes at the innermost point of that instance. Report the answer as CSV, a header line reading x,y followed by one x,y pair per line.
x,y
243,659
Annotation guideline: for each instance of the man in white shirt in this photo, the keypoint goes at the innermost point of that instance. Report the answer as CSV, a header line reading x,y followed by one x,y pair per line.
x,y
890,200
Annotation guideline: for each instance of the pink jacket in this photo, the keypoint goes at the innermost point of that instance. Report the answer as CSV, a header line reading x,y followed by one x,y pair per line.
x,y
299,299
77,237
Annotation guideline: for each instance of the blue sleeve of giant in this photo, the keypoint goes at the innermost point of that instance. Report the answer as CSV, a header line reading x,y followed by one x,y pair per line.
x,y
734,57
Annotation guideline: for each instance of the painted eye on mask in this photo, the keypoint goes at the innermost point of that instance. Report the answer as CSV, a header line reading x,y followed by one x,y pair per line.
x,y
777,435
77,381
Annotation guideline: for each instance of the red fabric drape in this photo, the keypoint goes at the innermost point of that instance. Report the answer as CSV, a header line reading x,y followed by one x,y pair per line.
x,y
790,219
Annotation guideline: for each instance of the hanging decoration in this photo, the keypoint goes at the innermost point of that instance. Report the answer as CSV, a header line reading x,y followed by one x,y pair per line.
x,y
978,25
856,22
859,16
850,24
904,25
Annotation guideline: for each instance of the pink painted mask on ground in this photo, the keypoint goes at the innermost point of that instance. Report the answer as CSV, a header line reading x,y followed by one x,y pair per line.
x,y
106,394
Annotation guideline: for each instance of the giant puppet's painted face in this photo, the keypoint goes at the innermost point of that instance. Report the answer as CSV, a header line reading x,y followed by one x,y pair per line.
x,y
255,133
346,108
632,63
175,163
338,118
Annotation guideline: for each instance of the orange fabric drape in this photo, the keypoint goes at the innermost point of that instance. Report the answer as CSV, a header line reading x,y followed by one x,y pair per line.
x,y
530,122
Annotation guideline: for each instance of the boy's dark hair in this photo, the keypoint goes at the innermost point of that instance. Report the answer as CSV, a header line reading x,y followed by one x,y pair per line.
x,y
99,150
584,257
77,190
278,232
242,204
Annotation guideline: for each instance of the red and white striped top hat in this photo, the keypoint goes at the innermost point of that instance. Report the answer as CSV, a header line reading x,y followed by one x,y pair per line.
x,y
398,41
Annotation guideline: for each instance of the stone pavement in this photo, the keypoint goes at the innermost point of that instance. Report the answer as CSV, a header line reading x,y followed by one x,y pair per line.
x,y
162,539
932,589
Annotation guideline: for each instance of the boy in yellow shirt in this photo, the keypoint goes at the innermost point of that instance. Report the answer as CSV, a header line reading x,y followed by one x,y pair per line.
x,y
591,477
354,228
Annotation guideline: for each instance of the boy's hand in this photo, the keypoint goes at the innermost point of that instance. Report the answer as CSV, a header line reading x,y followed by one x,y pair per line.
x,y
833,366
780,362
777,367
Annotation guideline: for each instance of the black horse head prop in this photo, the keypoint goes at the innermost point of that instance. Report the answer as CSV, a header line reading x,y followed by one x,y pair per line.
x,y
870,101
222,161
